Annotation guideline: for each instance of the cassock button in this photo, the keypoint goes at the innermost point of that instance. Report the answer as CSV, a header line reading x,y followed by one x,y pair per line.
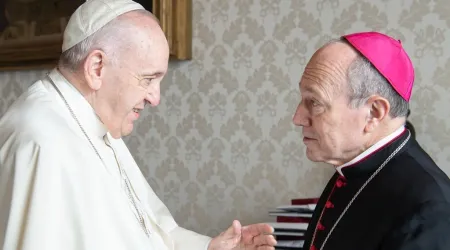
x,y
340,183
329,204
320,227
312,248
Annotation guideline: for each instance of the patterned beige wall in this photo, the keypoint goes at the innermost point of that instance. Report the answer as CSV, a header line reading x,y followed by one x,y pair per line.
x,y
221,145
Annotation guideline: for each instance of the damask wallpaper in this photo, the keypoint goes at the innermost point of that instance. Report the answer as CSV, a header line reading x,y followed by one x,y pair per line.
x,y
222,145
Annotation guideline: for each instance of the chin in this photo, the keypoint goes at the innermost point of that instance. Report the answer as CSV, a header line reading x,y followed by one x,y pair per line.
x,y
115,135
127,130
120,132
312,156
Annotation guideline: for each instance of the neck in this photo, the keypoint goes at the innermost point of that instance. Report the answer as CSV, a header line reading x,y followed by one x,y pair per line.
x,y
103,112
374,137
77,80
384,131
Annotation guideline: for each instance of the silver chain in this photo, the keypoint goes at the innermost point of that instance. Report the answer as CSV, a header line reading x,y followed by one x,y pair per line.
x,y
121,170
125,178
357,193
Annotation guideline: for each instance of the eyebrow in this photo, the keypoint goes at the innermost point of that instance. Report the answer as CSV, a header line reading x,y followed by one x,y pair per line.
x,y
152,74
311,90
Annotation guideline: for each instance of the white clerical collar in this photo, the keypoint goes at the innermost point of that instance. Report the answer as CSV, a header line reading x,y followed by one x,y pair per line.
x,y
80,106
372,149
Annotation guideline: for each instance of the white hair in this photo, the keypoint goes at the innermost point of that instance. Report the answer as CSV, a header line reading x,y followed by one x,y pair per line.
x,y
111,39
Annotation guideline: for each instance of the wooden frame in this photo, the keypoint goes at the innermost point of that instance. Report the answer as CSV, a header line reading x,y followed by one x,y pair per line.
x,y
42,52
176,21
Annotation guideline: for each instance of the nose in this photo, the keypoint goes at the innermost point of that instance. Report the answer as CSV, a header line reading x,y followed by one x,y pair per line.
x,y
154,94
301,116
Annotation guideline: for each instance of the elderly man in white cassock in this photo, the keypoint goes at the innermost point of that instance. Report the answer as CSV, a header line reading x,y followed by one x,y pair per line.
x,y
67,180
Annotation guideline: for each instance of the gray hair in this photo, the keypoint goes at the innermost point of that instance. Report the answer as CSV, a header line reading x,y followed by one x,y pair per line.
x,y
364,80
101,39
110,39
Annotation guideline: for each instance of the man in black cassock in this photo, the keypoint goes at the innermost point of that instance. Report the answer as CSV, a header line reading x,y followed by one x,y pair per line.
x,y
387,193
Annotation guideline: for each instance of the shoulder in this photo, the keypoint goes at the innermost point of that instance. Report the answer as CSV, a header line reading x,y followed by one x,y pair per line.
x,y
34,121
417,178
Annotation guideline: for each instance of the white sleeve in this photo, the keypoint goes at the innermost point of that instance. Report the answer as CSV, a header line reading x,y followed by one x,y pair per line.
x,y
185,239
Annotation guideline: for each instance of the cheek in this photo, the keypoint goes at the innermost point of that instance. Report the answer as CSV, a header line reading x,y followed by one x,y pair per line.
x,y
323,126
331,139
349,132
132,96
330,132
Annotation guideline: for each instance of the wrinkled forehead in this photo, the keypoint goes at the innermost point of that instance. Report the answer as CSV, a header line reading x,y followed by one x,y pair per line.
x,y
156,53
327,69
150,52
323,77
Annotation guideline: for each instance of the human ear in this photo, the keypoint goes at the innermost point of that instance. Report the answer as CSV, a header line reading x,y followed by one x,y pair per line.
x,y
378,110
94,69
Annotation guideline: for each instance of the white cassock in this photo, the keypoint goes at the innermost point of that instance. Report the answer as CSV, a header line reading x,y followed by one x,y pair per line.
x,y
57,193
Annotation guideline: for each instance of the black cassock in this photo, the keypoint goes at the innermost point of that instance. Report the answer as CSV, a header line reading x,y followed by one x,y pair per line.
x,y
406,206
